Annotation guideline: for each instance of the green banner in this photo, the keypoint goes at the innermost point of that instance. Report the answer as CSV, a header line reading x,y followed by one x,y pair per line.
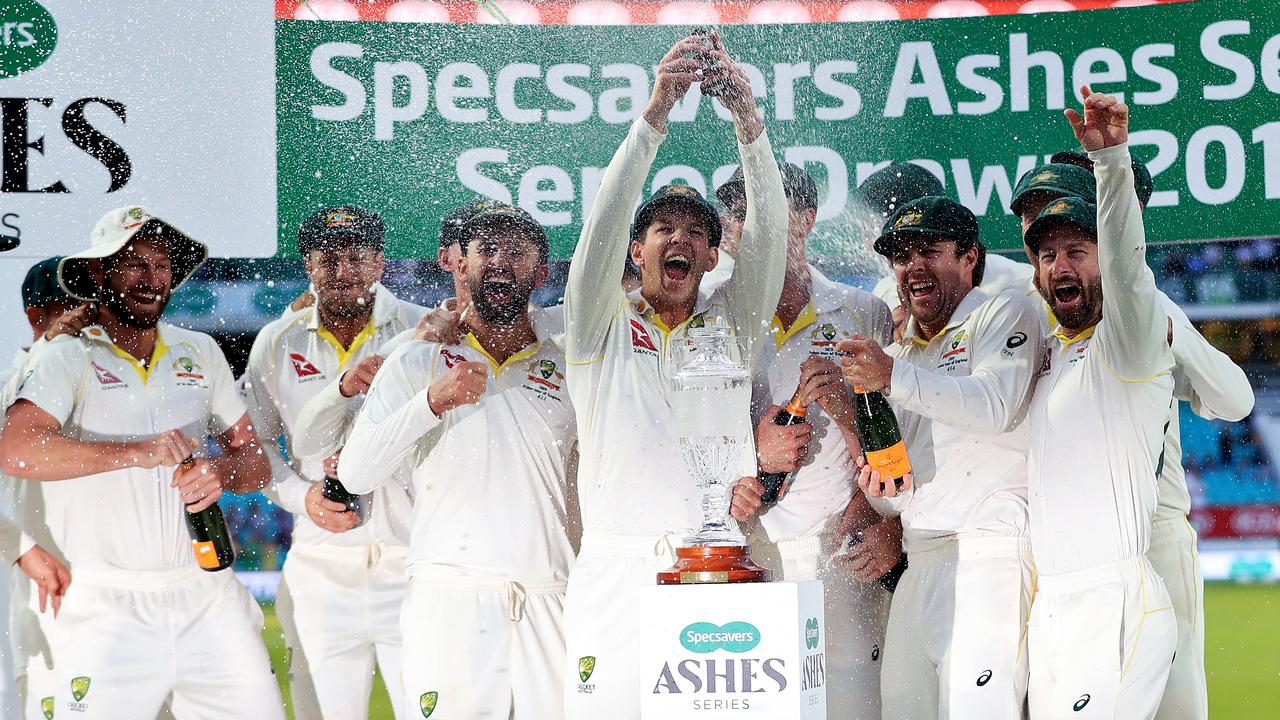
x,y
412,120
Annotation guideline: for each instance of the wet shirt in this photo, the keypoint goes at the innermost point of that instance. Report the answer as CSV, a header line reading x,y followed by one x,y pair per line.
x,y
296,366
490,477
128,519
1100,407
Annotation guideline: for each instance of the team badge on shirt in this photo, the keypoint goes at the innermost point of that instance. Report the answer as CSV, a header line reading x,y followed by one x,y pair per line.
x,y
428,703
586,666
957,351
188,372
79,690
823,339
545,379
303,367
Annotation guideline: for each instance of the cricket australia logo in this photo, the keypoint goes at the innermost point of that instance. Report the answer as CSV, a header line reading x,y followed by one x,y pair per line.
x,y
46,707
586,666
79,690
909,218
428,703
547,368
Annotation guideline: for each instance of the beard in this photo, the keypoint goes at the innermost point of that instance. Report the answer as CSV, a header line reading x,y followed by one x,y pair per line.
x,y
504,311
130,316
1082,313
344,303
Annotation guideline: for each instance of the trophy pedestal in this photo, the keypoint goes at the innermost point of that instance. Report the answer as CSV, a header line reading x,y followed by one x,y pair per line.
x,y
749,650
703,564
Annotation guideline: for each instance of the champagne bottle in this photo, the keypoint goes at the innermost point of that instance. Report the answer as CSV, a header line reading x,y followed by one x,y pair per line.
x,y
880,436
777,484
334,491
210,539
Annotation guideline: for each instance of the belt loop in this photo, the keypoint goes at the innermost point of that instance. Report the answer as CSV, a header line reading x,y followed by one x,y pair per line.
x,y
515,601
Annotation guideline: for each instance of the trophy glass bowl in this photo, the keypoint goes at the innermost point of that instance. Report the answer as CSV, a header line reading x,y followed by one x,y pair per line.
x,y
711,396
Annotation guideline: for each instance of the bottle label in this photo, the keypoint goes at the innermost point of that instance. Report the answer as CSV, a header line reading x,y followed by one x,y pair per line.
x,y
206,554
891,462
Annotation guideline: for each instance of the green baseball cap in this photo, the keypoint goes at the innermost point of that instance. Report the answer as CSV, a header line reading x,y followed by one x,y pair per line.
x,y
1143,184
1065,210
886,190
341,226
40,287
674,194
1061,179
451,225
929,219
493,210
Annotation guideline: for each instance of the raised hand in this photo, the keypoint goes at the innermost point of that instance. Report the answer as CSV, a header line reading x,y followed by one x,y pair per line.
x,y
1105,122
358,379
73,321
462,385
676,72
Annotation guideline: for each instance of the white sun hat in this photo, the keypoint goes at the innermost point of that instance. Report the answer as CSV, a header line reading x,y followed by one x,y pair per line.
x,y
112,233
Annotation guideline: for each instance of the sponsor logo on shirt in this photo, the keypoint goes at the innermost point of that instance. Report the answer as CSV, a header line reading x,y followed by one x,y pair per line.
x,y
105,376
640,340
451,359
303,367
585,666
1084,700
984,678
428,703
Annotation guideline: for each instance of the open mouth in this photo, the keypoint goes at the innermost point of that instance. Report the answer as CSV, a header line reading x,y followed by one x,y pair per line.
x,y
498,292
676,268
919,289
1067,293
146,300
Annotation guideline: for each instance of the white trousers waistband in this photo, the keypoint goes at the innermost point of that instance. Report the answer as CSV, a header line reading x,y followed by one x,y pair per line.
x,y
1067,582
1174,526
141,580
361,555
514,591
972,547
644,546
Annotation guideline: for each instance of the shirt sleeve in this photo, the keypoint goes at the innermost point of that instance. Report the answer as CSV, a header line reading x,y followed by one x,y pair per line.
x,y
53,379
226,405
879,320
323,421
394,417
1003,358
1132,336
1215,386
752,292
593,291
11,541
287,489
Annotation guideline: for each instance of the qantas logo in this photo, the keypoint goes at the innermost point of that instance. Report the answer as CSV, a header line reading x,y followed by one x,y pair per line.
x,y
450,359
640,337
303,366
105,376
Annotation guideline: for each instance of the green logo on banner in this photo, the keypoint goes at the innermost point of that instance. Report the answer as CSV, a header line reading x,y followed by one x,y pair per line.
x,y
734,637
79,687
46,707
811,635
28,35
586,666
428,703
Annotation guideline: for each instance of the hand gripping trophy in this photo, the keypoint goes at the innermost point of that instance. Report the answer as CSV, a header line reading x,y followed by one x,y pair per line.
x,y
711,396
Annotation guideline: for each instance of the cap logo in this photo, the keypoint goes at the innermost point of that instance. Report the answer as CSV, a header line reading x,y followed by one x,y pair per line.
x,y
1057,207
339,219
909,218
681,190
1044,177
132,218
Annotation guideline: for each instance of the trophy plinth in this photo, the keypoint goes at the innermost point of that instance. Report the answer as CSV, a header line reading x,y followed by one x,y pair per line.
x,y
700,564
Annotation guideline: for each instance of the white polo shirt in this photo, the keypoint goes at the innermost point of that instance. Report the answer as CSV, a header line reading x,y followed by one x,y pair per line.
x,y
490,477
296,363
631,477
1100,406
129,519
823,484
967,390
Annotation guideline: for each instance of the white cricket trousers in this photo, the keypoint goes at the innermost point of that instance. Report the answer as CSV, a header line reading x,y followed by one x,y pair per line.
x,y
482,647
125,642
1175,559
954,648
1101,643
856,616
339,608
604,619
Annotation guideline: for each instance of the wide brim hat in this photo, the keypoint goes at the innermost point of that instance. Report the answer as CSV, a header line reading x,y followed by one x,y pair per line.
x,y
112,234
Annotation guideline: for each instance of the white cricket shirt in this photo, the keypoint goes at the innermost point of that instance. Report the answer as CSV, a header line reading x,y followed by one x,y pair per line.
x,y
129,519
631,477
967,389
296,363
823,484
490,478
1100,406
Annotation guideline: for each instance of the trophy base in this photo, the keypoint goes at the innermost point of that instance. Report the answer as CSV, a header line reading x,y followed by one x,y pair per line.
x,y
707,564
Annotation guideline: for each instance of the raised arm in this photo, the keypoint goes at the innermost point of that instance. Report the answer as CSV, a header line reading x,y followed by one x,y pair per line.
x,y
1132,338
593,292
1215,386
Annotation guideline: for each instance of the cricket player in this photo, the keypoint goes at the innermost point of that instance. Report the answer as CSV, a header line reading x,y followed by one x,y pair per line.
x,y
961,377
1216,388
488,429
1102,633
102,420
343,582
21,519
797,536
636,493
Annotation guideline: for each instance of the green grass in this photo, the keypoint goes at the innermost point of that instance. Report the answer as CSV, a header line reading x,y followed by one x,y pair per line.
x,y
1242,653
